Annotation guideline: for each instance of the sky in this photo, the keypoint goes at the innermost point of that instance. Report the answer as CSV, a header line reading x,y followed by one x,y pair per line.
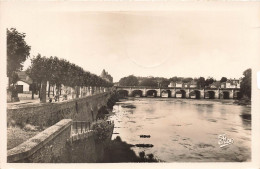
x,y
190,41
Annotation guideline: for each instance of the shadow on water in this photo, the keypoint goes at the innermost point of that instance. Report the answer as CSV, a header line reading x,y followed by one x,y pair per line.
x,y
246,117
119,152
130,106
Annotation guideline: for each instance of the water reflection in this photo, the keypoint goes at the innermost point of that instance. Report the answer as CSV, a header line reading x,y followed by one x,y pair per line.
x,y
184,130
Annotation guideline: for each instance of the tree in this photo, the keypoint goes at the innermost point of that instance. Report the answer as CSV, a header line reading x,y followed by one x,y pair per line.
x,y
174,79
186,80
17,52
165,82
209,81
246,83
129,81
149,82
223,79
40,71
201,82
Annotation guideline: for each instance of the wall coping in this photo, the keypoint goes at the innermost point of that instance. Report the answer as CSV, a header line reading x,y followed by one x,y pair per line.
x,y
55,103
30,146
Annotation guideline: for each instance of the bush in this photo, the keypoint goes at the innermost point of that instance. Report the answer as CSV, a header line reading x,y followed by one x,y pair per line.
x,y
101,131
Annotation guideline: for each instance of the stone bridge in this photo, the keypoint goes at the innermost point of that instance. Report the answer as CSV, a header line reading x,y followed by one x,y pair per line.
x,y
175,92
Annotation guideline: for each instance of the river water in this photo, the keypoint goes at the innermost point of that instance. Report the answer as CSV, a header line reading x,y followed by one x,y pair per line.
x,y
184,130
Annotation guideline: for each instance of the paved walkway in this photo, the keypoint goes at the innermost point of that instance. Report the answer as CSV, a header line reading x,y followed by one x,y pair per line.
x,y
29,102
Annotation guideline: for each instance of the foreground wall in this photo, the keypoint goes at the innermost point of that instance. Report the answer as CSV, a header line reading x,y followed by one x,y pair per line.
x,y
47,146
83,148
56,145
47,114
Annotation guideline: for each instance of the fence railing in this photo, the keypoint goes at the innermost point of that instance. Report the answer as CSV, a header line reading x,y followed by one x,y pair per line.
x,y
80,127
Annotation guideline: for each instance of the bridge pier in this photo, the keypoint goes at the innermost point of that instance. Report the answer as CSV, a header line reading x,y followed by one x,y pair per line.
x,y
173,93
187,93
159,92
231,94
144,92
130,93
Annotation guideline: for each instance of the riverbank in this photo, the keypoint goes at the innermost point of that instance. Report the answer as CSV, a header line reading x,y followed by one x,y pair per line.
x,y
119,152
243,102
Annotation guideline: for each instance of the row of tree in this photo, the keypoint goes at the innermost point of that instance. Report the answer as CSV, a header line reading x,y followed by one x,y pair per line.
x,y
60,71
164,82
54,70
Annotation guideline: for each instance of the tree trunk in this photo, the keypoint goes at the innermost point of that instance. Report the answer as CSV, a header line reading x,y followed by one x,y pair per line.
x,y
39,89
43,92
32,94
33,88
53,90
49,88
77,91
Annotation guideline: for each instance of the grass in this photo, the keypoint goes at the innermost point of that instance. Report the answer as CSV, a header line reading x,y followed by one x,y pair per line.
x,y
16,136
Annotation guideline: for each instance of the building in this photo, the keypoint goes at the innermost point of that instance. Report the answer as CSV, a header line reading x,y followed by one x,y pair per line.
x,y
179,84
172,84
215,85
106,76
193,84
231,83
24,82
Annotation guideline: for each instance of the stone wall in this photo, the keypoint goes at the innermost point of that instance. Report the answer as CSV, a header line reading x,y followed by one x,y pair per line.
x,y
56,145
84,148
46,147
47,114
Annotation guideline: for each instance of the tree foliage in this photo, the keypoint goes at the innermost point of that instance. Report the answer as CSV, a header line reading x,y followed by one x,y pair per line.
x,y
209,81
223,79
187,80
151,82
246,83
201,82
129,81
176,79
165,82
60,71
17,52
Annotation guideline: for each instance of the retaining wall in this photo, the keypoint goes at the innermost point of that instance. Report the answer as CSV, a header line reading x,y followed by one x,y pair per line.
x,y
47,114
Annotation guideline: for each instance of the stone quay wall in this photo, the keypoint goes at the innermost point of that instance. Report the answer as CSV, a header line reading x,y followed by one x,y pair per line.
x,y
47,114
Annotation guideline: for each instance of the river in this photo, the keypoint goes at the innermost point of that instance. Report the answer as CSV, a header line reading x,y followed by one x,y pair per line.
x,y
184,130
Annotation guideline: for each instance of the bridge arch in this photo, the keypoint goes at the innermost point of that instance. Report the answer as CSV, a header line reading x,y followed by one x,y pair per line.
x,y
123,93
151,93
210,95
238,95
137,93
225,95
181,94
195,94
166,93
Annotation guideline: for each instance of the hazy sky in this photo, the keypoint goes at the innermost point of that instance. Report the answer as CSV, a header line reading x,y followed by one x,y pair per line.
x,y
191,42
